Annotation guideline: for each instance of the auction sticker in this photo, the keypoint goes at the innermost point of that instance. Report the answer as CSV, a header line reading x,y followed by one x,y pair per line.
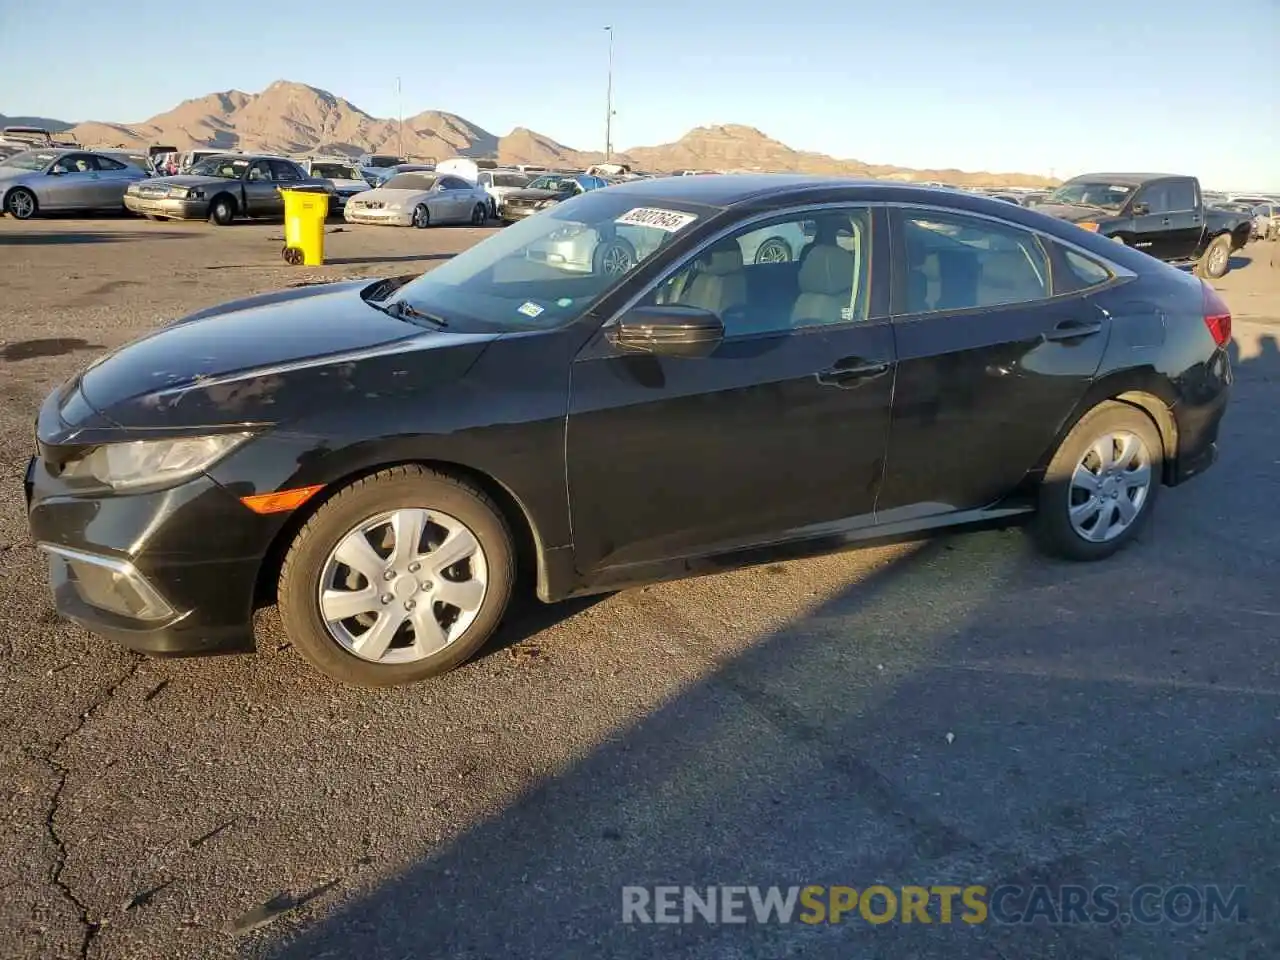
x,y
529,309
668,220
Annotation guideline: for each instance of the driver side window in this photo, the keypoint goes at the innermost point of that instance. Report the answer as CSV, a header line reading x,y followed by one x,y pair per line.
x,y
791,273
259,171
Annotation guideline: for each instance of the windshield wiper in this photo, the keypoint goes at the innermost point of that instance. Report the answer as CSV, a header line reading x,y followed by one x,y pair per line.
x,y
403,310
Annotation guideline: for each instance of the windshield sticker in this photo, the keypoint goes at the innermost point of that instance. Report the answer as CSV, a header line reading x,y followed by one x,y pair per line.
x,y
668,220
529,309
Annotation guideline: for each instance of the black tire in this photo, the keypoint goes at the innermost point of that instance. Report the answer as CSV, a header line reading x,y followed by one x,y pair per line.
x,y
293,255
780,251
1052,528
421,216
613,257
21,204
479,215
222,210
1216,259
397,487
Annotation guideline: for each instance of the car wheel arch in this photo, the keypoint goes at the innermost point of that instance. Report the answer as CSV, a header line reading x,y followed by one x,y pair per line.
x,y
530,547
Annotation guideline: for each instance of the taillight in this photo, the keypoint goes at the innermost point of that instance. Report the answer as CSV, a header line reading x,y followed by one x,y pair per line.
x,y
1217,315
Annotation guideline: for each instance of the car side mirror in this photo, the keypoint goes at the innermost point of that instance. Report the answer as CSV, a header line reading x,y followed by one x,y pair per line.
x,y
668,330
1141,209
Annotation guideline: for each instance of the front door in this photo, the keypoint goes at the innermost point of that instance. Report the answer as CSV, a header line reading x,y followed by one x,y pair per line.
x,y
73,183
990,361
781,428
261,192
1172,224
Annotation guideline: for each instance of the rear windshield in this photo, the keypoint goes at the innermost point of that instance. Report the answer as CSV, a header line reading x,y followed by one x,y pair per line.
x,y
410,181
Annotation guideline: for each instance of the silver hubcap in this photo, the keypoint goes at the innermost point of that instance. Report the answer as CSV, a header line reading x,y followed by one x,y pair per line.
x,y
616,260
772,252
403,585
1217,257
420,216
1109,487
22,205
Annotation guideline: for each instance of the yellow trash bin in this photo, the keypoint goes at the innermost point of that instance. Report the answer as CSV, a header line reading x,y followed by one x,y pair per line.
x,y
305,212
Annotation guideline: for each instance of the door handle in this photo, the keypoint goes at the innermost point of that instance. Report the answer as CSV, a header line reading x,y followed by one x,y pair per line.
x,y
851,371
1072,330
1165,221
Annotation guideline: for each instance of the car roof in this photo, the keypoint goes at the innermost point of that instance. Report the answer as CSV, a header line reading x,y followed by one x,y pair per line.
x,y
1131,179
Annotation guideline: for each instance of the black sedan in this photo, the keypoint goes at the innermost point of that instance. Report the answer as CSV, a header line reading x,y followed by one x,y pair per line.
x,y
387,458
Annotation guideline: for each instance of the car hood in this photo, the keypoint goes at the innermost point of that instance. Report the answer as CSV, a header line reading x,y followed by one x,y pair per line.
x,y
527,194
188,180
12,173
1073,212
269,358
393,196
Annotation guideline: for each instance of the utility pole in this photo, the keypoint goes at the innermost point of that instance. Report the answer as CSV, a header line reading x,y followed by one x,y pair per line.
x,y
400,112
608,115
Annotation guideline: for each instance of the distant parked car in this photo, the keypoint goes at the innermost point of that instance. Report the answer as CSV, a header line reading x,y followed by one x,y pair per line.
x,y
1266,221
377,176
546,191
222,188
44,181
420,200
499,183
1160,214
342,175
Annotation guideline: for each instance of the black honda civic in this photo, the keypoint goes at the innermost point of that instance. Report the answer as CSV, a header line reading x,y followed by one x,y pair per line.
x,y
387,460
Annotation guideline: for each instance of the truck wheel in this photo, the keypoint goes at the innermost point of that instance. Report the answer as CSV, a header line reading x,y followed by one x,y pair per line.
x,y
1216,259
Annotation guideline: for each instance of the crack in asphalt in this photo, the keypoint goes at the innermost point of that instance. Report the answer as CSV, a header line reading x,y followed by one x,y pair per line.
x,y
89,926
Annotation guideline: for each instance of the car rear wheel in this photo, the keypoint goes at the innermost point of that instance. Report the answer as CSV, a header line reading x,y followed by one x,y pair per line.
x,y
399,576
1213,264
479,215
613,258
421,216
1101,485
21,204
222,211
773,250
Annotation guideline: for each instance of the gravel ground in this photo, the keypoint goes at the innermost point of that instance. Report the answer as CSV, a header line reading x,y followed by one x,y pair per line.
x,y
958,711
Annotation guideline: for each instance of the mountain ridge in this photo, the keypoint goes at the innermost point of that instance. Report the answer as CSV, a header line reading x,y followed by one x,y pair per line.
x,y
292,117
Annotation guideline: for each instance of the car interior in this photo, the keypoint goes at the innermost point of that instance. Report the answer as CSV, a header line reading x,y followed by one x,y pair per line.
x,y
953,266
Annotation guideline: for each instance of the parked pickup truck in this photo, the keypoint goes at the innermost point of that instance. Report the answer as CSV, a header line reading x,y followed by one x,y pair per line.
x,y
1160,214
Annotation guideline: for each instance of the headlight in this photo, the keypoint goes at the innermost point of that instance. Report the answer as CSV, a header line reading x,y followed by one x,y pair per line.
x,y
544,204
146,463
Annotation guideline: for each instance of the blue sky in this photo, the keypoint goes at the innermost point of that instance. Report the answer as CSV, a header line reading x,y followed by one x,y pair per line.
x,y
987,84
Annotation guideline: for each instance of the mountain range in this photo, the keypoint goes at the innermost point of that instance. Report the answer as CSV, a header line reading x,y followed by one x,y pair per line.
x,y
296,118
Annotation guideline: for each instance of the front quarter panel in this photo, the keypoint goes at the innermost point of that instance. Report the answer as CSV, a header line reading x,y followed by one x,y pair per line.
x,y
503,417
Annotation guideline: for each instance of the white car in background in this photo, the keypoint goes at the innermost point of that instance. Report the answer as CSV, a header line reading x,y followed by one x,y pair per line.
x,y
341,174
420,200
498,183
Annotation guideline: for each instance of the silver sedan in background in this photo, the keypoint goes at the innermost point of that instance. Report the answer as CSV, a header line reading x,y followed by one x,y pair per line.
x,y
420,200
54,180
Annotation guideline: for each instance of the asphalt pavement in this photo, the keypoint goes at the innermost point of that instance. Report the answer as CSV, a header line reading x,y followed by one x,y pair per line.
x,y
960,711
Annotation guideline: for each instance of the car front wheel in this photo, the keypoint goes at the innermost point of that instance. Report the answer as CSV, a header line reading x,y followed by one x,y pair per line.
x,y
1101,485
21,204
399,576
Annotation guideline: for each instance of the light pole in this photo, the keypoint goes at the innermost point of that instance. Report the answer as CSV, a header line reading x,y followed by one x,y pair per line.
x,y
608,114
400,128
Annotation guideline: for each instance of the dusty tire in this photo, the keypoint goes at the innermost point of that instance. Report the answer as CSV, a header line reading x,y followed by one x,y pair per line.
x,y
1053,528
222,211
21,204
421,216
479,215
304,573
1216,260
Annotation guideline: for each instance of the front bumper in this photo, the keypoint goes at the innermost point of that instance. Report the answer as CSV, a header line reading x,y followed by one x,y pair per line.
x,y
168,573
384,217
170,207
513,212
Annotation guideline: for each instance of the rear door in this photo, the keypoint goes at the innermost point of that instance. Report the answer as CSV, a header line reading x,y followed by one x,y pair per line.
x,y
991,359
1173,223
114,178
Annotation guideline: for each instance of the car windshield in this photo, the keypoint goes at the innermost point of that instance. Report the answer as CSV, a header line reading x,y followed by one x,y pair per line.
x,y
1108,196
409,181
552,183
510,180
228,168
547,270
382,161
30,160
335,171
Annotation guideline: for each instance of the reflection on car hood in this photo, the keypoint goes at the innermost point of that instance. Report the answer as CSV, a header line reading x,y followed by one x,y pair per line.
x,y
188,180
347,185
10,173
527,194
1073,212
248,350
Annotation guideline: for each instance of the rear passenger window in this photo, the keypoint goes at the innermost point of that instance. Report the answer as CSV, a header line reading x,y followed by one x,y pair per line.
x,y
1080,273
1182,196
955,262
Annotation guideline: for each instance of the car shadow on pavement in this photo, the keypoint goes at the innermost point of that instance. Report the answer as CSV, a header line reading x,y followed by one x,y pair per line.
x,y
54,239
1237,262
